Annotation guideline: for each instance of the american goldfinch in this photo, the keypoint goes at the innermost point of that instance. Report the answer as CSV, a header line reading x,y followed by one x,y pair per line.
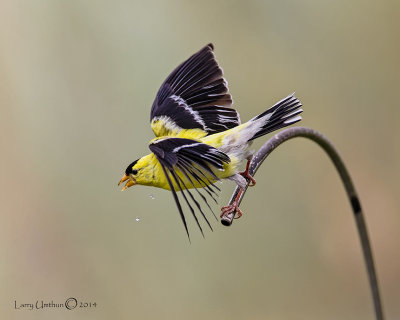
x,y
199,136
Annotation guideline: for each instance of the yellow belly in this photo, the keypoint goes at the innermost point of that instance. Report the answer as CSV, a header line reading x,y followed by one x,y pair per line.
x,y
154,175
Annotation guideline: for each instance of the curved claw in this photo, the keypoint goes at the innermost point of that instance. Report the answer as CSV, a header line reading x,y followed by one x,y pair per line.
x,y
245,174
231,209
252,182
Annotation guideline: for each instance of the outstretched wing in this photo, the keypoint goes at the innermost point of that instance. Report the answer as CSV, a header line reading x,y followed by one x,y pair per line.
x,y
189,164
194,96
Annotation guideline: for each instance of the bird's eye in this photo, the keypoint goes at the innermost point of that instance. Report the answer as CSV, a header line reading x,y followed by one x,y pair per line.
x,y
134,172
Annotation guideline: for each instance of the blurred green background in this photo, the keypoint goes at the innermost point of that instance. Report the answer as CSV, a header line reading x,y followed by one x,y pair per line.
x,y
77,80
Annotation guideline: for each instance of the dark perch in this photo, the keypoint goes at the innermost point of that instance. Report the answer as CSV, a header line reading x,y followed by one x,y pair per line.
x,y
290,133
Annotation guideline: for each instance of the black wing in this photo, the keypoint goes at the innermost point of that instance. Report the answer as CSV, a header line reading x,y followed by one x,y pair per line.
x,y
194,96
189,164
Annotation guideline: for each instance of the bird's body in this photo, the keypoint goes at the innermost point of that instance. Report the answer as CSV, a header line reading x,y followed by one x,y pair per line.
x,y
224,141
199,136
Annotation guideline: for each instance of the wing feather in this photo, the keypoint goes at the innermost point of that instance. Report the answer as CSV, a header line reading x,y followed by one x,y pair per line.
x,y
176,178
194,96
178,204
183,170
195,201
185,161
206,186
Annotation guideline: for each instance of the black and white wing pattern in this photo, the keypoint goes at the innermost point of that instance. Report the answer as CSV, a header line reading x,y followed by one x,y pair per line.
x,y
194,96
189,164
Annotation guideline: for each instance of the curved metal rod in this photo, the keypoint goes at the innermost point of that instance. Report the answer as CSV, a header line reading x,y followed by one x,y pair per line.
x,y
311,134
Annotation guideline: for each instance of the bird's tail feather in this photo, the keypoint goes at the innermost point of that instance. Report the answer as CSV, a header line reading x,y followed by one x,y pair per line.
x,y
282,114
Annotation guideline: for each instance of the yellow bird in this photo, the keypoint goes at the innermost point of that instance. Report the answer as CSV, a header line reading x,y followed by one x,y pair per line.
x,y
199,136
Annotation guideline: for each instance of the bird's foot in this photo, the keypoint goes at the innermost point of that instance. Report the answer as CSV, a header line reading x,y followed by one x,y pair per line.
x,y
232,208
245,174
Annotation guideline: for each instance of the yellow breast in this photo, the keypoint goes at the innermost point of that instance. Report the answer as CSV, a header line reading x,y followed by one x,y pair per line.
x,y
153,174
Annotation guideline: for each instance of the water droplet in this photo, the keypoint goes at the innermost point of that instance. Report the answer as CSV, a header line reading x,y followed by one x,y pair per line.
x,y
137,219
151,196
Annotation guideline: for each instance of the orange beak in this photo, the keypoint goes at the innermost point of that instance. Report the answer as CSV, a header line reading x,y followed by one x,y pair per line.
x,y
130,182
124,178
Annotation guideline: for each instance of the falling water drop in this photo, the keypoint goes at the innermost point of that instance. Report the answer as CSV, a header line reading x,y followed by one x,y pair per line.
x,y
137,219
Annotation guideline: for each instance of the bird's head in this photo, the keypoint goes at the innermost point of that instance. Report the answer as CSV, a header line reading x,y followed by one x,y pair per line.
x,y
131,174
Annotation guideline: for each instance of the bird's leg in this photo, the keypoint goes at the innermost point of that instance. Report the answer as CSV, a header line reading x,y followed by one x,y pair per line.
x,y
232,207
246,174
